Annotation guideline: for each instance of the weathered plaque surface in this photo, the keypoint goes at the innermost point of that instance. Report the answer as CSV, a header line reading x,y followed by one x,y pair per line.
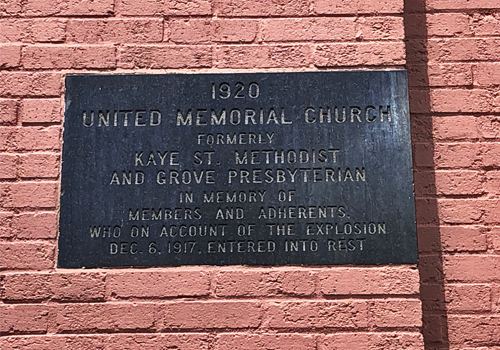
x,y
219,169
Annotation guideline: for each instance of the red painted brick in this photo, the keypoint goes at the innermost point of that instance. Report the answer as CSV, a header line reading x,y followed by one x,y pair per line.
x,y
26,256
234,30
360,54
430,268
419,101
29,194
342,314
189,341
492,184
6,230
486,24
265,283
48,30
468,297
37,225
429,239
90,31
10,56
14,29
417,51
30,84
30,138
452,128
435,330
390,313
10,7
41,110
92,317
190,30
24,318
166,7
77,57
462,100
489,127
448,24
261,8
427,213
421,129
423,154
8,111
25,287
357,6
78,286
461,4
39,165
432,296
463,238
59,342
462,182
440,75
461,211
245,341
365,281
456,155
262,56
487,73
494,235
210,314
491,154
463,49
332,28
158,284
474,329
372,341
477,268
154,57
492,214
69,8
8,166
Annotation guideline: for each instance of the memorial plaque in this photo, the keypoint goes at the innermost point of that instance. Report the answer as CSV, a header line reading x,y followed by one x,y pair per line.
x,y
309,168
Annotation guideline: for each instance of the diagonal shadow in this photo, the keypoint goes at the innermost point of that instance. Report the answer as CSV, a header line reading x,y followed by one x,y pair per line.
x,y
432,292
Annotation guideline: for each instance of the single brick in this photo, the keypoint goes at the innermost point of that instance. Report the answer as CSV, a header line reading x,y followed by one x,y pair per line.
x,y
448,24
461,211
262,283
373,341
456,155
429,239
486,24
91,31
417,51
234,30
495,298
474,268
68,8
59,342
462,100
261,8
10,7
360,54
26,256
48,30
463,49
158,284
489,127
210,314
6,230
452,127
262,56
440,75
426,209
8,111
366,281
41,110
357,6
491,154
342,314
186,341
155,57
461,4
8,166
390,313
26,287
114,316
492,183
474,330
487,73
423,154
39,165
166,7
190,30
78,286
463,238
10,56
76,57
468,297
245,341
29,195
432,297
430,268
37,225
30,84
24,318
463,182
35,138
491,212
435,328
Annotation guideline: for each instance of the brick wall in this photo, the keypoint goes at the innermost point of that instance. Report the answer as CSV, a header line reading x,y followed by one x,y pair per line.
x,y
452,52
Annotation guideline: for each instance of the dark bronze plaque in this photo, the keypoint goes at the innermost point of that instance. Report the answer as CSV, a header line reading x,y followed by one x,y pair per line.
x,y
221,169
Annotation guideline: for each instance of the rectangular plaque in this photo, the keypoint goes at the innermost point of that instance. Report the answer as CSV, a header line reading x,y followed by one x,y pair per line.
x,y
310,168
